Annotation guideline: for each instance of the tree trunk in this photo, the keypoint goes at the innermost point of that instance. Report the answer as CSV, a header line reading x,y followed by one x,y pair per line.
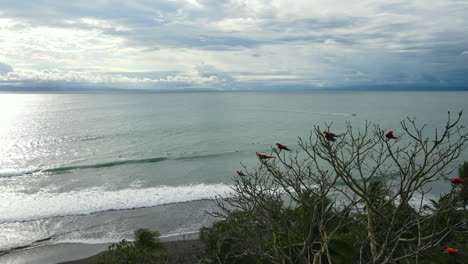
x,y
371,234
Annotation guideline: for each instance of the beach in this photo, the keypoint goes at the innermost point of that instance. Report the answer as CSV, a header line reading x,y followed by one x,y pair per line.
x,y
182,249
179,252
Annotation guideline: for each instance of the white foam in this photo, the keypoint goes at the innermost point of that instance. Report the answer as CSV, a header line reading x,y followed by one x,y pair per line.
x,y
90,241
176,235
13,172
15,206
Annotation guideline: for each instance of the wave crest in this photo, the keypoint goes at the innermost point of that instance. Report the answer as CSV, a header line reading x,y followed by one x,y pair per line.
x,y
27,207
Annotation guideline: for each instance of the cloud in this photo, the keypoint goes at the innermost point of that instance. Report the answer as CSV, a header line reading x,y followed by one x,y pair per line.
x,y
209,71
430,78
240,42
143,80
5,68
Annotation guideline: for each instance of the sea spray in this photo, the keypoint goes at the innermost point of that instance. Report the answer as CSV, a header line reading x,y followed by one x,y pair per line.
x,y
16,207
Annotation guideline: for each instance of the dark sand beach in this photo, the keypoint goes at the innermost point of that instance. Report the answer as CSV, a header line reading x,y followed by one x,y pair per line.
x,y
53,253
182,249
179,252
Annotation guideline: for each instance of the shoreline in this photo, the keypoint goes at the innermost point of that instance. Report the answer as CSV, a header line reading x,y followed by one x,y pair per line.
x,y
187,245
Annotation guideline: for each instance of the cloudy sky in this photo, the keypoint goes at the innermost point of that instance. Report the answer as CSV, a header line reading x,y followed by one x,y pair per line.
x,y
233,44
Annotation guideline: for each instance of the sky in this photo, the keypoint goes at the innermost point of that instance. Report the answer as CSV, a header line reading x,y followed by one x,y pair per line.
x,y
233,44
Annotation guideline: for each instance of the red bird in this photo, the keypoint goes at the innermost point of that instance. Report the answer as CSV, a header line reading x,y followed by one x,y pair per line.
x,y
281,146
458,180
261,156
453,251
330,136
390,135
240,173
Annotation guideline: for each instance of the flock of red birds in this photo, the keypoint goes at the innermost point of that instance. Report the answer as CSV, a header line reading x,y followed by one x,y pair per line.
x,y
389,135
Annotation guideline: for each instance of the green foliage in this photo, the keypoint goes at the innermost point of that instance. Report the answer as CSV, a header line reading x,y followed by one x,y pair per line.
x,y
342,251
230,241
147,249
147,239
463,170
223,242
436,255
463,193
376,191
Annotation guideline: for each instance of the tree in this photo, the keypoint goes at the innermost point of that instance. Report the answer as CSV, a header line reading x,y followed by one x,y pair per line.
x,y
362,191
146,238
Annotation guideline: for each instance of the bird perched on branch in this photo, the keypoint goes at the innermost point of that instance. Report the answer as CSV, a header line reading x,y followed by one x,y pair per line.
x,y
390,135
331,136
240,173
261,156
458,180
281,146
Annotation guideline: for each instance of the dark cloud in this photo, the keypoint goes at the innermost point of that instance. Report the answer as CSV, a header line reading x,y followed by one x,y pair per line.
x,y
321,38
312,24
184,36
261,73
56,12
430,78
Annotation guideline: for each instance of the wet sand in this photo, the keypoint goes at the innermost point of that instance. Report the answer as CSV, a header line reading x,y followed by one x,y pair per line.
x,y
52,253
182,249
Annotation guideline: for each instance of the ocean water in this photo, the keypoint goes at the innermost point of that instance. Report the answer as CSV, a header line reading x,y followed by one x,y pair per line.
x,y
91,168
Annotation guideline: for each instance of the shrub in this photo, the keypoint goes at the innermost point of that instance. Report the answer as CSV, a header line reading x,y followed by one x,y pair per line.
x,y
146,249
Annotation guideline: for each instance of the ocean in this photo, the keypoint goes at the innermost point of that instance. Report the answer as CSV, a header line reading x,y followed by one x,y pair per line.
x,y
93,167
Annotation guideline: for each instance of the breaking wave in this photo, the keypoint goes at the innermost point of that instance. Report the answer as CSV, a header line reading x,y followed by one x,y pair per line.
x,y
105,164
13,173
27,207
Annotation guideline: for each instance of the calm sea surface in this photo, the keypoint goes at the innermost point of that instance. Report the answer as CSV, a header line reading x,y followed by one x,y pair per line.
x,y
92,168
